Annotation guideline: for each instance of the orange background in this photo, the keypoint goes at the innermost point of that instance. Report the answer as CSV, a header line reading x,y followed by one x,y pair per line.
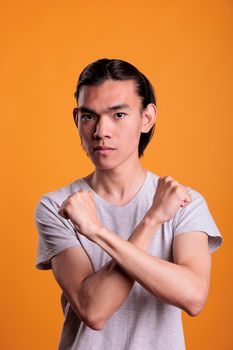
x,y
186,50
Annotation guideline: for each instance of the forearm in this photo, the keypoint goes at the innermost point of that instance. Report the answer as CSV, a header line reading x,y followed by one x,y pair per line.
x,y
104,291
173,283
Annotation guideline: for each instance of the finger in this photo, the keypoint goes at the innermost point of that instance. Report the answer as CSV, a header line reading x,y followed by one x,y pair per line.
x,y
188,196
168,178
186,191
187,199
160,178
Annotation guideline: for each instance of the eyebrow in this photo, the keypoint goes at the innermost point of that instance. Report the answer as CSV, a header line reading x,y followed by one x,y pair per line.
x,y
109,109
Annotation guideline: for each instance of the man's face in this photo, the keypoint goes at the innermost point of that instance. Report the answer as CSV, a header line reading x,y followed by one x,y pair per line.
x,y
109,115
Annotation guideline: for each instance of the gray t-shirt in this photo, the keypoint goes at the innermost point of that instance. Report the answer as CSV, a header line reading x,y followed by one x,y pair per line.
x,y
143,321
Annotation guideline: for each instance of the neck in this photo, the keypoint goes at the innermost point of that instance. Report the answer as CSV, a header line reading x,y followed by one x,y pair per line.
x,y
117,184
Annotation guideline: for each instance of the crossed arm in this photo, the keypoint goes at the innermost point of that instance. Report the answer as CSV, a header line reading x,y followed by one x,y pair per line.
x,y
95,296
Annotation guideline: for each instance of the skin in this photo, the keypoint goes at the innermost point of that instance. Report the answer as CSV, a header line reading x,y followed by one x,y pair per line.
x,y
113,173
95,296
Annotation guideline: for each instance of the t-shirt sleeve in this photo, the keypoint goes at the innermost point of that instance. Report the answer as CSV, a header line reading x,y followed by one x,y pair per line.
x,y
55,233
196,216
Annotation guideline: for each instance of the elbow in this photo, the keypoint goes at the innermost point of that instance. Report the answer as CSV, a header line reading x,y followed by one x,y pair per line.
x,y
197,303
88,314
92,320
94,324
194,310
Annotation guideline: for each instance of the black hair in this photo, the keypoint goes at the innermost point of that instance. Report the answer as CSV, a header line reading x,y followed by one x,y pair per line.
x,y
102,69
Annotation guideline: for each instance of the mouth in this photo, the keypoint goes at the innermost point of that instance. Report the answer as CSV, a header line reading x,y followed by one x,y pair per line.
x,y
102,147
103,150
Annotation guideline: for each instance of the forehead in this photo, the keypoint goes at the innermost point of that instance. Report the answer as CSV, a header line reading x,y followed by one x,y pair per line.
x,y
110,92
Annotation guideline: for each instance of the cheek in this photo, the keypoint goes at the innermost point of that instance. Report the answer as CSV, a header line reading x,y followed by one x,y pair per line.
x,y
133,133
85,134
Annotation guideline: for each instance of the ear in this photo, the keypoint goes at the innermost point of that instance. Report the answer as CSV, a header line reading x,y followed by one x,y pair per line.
x,y
75,116
149,115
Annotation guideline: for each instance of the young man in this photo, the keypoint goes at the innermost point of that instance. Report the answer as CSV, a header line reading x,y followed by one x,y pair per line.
x,y
129,249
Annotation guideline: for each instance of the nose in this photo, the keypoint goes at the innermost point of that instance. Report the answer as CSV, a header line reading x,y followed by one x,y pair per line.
x,y
102,128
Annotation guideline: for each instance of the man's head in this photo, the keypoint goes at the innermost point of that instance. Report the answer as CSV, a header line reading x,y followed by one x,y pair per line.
x,y
105,83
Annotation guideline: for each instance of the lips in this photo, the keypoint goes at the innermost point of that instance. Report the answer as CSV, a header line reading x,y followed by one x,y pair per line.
x,y
102,148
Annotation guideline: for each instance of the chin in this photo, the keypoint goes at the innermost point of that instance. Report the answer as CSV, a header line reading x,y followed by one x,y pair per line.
x,y
105,162
101,165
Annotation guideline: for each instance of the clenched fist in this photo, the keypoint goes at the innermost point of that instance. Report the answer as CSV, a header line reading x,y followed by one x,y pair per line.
x,y
169,196
80,208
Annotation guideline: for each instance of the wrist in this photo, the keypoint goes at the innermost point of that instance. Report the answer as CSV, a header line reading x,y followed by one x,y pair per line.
x,y
145,231
90,232
152,219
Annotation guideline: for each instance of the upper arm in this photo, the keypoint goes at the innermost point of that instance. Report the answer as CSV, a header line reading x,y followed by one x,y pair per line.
x,y
70,267
190,249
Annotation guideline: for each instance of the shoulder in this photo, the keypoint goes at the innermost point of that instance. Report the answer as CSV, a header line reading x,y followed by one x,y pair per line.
x,y
195,194
52,200
198,204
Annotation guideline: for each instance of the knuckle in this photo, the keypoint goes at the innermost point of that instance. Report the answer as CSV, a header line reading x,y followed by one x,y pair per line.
x,y
168,178
70,201
68,205
177,190
83,192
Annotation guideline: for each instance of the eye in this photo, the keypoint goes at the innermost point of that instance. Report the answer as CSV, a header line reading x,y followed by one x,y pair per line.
x,y
119,115
86,116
